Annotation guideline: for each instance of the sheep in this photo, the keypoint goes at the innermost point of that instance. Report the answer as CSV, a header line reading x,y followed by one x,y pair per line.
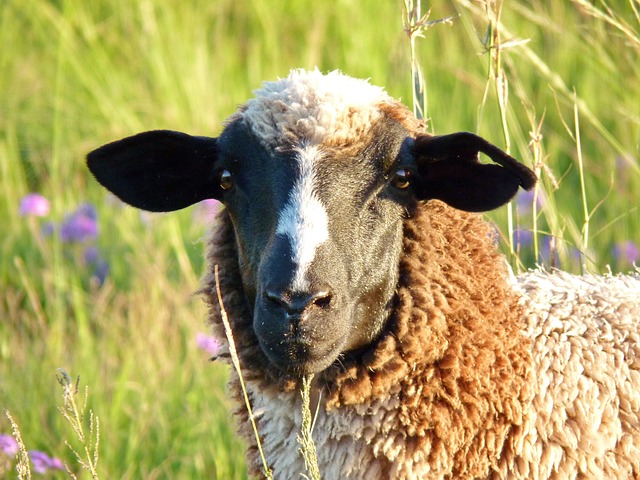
x,y
351,247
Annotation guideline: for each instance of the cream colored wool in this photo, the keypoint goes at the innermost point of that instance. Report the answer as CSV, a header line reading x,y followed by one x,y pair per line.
x,y
315,107
584,419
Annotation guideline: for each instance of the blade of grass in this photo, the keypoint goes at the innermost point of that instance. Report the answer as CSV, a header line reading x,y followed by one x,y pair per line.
x,y
583,188
307,446
415,25
236,365
75,417
22,467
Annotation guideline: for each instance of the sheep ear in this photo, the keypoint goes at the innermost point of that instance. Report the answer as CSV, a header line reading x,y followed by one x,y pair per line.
x,y
159,171
450,171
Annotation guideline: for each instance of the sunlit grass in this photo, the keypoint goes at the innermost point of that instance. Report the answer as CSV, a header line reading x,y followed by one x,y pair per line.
x,y
74,75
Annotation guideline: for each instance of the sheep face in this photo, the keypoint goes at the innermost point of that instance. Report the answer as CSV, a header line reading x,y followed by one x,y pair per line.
x,y
317,173
318,235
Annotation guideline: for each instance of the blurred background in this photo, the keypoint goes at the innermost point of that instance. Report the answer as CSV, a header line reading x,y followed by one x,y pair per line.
x,y
107,292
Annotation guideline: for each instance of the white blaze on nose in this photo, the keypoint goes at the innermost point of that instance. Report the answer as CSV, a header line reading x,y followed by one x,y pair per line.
x,y
303,220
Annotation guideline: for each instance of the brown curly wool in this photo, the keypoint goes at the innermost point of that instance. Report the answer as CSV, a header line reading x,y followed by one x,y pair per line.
x,y
452,356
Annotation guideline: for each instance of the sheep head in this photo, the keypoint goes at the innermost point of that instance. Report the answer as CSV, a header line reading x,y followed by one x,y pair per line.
x,y
317,173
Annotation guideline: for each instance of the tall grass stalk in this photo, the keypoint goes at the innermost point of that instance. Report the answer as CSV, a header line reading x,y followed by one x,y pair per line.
x,y
305,439
22,466
583,189
415,25
236,365
75,417
538,164
413,29
497,76
584,235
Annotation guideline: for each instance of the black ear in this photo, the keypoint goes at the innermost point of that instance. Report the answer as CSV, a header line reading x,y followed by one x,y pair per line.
x,y
159,171
450,171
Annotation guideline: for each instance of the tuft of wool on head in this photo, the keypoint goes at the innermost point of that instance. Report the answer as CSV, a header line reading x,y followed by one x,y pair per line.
x,y
332,109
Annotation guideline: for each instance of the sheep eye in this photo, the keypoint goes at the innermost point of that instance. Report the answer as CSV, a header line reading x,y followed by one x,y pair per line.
x,y
226,180
401,178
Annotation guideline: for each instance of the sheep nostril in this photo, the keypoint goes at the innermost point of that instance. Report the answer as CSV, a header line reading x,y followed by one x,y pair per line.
x,y
276,299
322,300
296,303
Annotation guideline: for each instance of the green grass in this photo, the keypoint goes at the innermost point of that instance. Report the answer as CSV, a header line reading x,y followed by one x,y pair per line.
x,y
74,75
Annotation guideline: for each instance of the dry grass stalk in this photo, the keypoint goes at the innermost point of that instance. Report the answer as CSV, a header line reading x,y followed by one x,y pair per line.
x,y
497,76
538,162
22,467
75,417
236,364
415,25
608,15
307,446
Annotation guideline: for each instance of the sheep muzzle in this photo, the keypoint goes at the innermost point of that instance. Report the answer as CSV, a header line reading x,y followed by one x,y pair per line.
x,y
300,332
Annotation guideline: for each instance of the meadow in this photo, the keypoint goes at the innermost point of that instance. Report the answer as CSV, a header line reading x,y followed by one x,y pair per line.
x,y
106,293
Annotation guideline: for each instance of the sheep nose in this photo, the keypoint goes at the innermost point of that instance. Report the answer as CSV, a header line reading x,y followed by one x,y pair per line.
x,y
296,303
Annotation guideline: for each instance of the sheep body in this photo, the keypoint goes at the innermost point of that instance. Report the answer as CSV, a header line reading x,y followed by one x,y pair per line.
x,y
585,344
571,408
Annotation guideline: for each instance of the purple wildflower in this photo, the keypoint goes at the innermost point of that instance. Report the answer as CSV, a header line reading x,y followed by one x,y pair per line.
x,y
43,462
208,343
34,205
626,252
40,461
9,445
80,225
523,237
93,259
524,201
56,464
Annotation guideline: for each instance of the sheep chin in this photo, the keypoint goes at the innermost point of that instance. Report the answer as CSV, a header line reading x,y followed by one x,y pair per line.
x,y
301,350
297,361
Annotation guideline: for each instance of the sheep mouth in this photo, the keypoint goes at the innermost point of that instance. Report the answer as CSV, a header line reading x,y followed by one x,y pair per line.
x,y
299,358
299,351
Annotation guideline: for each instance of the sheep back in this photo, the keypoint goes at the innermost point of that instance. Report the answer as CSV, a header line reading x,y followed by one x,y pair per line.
x,y
584,419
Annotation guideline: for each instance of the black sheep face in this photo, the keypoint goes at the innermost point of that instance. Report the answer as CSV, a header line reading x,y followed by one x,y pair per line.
x,y
317,179
318,233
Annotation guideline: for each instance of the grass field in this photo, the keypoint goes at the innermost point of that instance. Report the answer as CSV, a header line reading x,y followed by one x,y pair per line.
x,y
106,293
